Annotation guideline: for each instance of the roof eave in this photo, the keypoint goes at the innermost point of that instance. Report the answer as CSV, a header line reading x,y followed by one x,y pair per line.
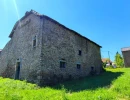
x,y
125,49
35,13
69,29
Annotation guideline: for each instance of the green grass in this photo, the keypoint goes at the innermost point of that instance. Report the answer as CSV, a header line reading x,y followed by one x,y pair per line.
x,y
114,84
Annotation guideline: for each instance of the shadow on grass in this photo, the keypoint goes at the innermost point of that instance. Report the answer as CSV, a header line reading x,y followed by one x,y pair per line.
x,y
90,83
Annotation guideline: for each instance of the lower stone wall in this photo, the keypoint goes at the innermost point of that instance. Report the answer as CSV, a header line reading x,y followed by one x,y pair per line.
x,y
126,56
51,73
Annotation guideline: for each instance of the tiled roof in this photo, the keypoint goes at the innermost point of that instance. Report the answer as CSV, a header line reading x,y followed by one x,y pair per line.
x,y
106,60
54,21
125,49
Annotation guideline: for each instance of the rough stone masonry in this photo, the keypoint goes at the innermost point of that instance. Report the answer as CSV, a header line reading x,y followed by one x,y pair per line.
x,y
126,56
43,51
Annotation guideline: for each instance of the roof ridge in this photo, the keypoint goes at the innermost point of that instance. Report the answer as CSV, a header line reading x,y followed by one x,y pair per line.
x,y
54,21
35,12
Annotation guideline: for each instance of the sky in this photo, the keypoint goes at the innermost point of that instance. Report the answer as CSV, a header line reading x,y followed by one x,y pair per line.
x,y
106,22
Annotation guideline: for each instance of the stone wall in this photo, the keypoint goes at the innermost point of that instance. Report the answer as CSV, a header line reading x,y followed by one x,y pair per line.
x,y
20,47
126,56
41,64
60,43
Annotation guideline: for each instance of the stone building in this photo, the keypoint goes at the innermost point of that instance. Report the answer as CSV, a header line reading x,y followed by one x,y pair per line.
x,y
126,56
43,51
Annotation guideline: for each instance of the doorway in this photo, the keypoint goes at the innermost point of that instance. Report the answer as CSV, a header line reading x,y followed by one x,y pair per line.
x,y
17,70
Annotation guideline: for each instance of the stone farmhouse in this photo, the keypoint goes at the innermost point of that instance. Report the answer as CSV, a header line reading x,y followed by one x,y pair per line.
x,y
43,51
126,56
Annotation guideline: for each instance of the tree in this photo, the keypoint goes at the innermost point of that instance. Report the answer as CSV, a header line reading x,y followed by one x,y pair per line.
x,y
119,60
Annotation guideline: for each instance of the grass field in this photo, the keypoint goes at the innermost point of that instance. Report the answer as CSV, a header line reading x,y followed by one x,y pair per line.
x,y
114,84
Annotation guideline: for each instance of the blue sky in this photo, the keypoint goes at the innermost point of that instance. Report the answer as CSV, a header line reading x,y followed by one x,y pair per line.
x,y
106,22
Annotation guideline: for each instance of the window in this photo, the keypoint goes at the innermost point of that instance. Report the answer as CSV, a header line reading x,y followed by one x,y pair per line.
x,y
80,52
78,66
62,64
34,41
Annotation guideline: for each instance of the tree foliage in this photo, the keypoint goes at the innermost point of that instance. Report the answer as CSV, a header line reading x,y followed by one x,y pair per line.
x,y
119,60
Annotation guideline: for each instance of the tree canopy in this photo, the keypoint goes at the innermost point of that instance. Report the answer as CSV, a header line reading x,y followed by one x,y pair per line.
x,y
119,60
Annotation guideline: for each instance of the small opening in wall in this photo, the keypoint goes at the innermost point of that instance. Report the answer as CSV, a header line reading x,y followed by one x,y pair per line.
x,y
62,64
80,52
78,66
34,41
92,70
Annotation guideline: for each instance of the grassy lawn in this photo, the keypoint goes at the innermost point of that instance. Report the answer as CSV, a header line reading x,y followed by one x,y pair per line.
x,y
114,84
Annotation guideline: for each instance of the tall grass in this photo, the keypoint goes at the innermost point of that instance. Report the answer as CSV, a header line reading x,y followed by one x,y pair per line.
x,y
114,84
